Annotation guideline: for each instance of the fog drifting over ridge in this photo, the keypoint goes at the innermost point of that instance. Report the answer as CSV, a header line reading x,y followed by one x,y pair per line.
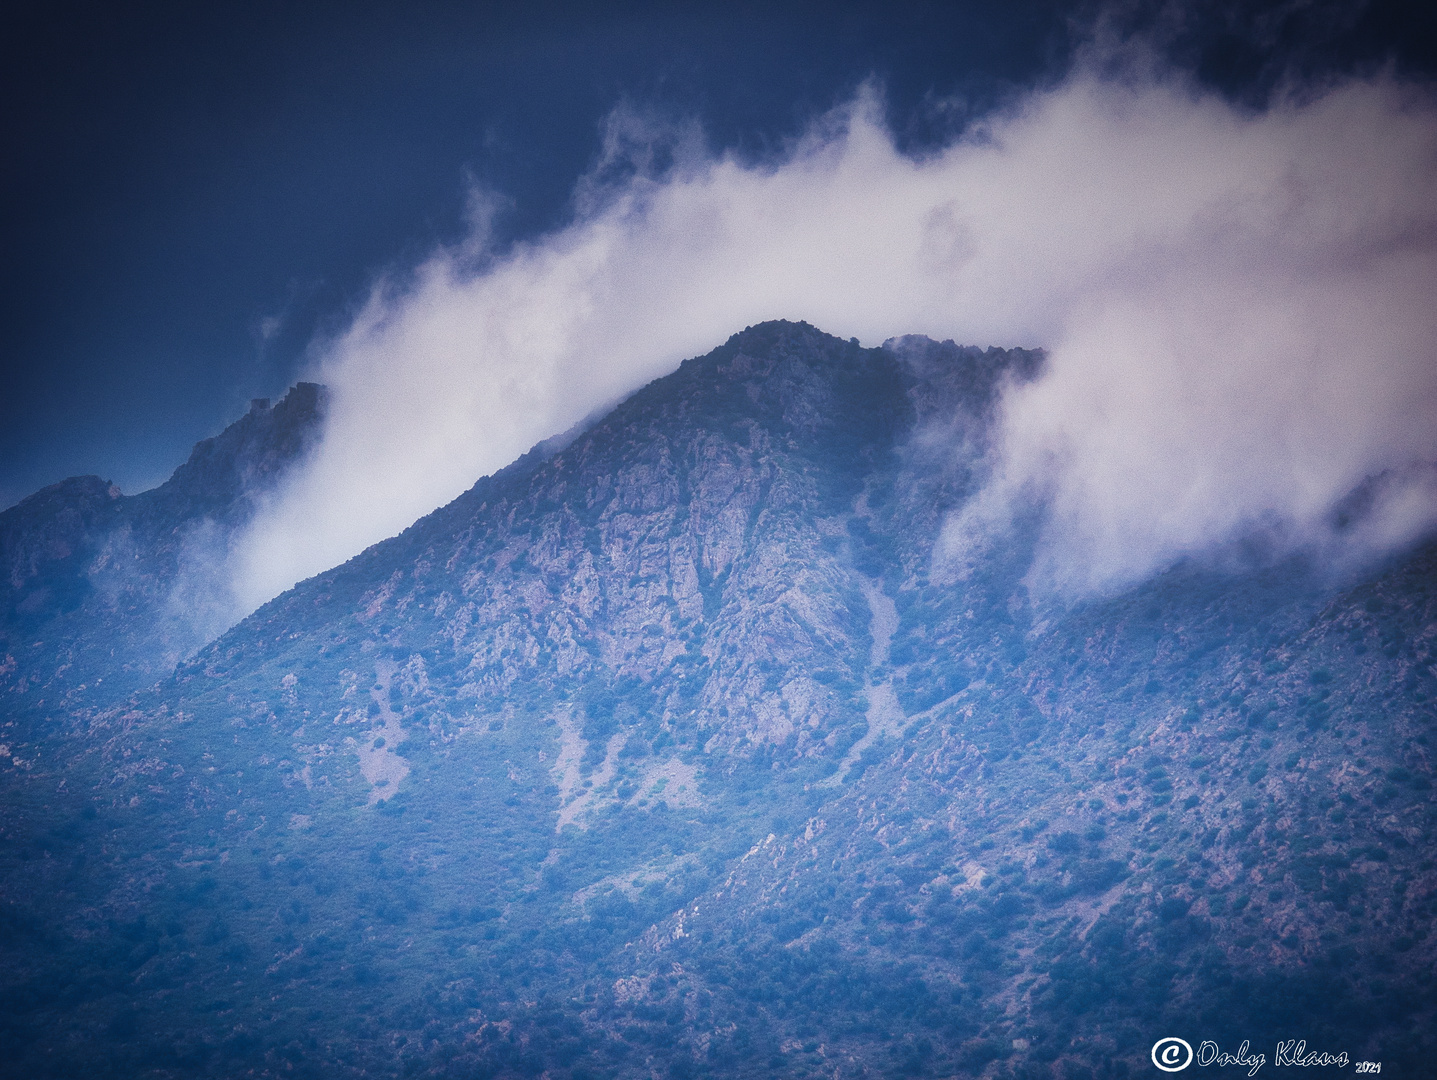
x,y
1238,309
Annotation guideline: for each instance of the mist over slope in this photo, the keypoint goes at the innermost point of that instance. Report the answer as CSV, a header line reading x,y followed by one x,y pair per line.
x,y
1236,304
99,585
672,750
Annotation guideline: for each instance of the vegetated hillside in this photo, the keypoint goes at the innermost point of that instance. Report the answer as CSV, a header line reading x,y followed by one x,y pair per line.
x,y
102,586
674,751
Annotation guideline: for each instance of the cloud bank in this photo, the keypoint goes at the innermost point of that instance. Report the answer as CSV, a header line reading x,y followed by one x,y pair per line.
x,y
1238,306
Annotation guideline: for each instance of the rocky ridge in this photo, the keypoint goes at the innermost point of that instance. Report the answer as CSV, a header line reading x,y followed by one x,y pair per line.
x,y
696,761
103,586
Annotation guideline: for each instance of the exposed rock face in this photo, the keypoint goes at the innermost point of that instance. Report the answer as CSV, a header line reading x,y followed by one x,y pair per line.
x,y
700,544
99,585
674,751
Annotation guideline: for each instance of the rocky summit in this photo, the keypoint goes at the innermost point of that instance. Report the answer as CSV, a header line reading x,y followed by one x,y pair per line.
x,y
684,747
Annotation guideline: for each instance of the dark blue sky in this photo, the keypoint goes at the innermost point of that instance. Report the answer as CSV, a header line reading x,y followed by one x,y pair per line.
x,y
179,176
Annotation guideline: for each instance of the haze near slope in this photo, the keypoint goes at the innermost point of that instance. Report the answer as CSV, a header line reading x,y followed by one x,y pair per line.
x,y
103,587
1236,304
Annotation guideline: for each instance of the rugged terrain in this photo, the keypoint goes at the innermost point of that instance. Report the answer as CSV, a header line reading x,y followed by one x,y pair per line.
x,y
679,748
102,586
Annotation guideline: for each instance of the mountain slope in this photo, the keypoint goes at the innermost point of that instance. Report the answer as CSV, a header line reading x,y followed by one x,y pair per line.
x,y
99,585
676,751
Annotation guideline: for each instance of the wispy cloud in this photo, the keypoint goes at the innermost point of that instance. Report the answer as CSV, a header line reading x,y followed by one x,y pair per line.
x,y
1238,309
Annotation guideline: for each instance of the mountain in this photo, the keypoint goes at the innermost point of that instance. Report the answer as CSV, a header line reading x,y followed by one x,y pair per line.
x,y
104,589
680,748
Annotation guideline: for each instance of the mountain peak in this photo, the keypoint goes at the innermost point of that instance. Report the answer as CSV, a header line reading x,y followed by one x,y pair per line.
x,y
669,727
130,583
249,453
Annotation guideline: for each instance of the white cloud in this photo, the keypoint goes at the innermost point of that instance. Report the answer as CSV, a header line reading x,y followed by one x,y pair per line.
x,y
1238,308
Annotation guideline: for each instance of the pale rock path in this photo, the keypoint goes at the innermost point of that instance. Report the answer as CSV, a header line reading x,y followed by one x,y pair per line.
x,y
882,621
380,765
671,781
885,715
571,808
571,753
